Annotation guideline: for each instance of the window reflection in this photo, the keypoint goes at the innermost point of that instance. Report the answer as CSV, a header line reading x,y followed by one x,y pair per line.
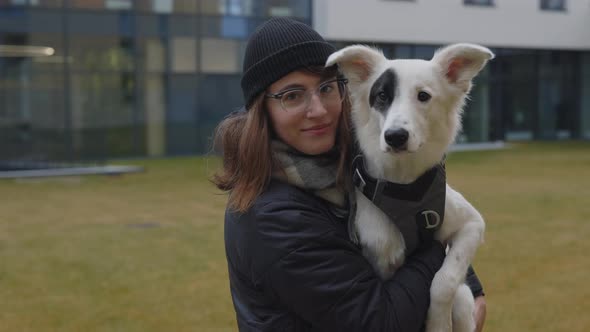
x,y
219,56
184,54
102,114
101,53
584,92
102,4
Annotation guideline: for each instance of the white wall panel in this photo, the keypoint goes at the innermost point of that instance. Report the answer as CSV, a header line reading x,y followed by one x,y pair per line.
x,y
509,23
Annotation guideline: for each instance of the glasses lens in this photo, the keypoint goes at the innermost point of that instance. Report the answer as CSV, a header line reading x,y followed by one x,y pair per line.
x,y
331,93
293,100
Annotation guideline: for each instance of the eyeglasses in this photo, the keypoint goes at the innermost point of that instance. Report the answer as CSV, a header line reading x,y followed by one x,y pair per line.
x,y
331,93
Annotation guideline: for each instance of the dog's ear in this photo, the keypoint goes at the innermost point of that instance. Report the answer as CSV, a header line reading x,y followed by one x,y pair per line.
x,y
356,62
461,62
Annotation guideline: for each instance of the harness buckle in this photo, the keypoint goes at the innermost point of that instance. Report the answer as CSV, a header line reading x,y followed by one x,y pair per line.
x,y
358,180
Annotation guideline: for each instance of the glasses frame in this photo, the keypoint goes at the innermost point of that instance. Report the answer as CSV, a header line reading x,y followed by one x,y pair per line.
x,y
279,96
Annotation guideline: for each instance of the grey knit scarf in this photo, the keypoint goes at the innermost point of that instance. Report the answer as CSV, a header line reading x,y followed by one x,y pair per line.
x,y
313,173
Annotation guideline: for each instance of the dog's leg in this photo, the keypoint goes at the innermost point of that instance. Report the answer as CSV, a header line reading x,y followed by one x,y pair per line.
x,y
463,307
463,228
383,244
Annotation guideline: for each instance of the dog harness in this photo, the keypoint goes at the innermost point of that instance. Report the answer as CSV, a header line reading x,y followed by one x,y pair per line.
x,y
417,208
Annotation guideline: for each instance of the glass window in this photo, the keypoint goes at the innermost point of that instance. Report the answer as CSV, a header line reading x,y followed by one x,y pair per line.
x,y
96,23
234,27
118,4
154,55
85,4
182,116
184,54
155,115
557,5
518,103
585,95
242,7
476,118
168,6
181,25
220,56
101,53
31,113
54,62
213,7
219,95
479,2
102,4
185,6
16,138
424,52
36,3
256,8
518,64
45,21
155,6
153,25
162,6
557,94
16,3
403,52
280,8
211,26
46,3
102,106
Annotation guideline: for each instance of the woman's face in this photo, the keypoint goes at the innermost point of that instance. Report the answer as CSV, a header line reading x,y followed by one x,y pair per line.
x,y
310,128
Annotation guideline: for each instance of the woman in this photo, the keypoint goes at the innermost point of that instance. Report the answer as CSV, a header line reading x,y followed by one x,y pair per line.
x,y
291,264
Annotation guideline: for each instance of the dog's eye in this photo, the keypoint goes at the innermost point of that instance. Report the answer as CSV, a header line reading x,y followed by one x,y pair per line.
x,y
423,96
382,96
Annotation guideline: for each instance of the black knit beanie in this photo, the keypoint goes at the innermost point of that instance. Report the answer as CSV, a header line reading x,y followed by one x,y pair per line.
x,y
278,47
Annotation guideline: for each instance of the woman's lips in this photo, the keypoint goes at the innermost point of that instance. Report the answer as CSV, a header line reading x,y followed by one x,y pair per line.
x,y
318,130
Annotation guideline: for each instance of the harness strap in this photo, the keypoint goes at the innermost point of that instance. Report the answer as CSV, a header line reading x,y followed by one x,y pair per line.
x,y
417,209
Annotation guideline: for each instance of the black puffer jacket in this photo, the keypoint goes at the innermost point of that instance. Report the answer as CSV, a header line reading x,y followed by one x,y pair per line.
x,y
293,268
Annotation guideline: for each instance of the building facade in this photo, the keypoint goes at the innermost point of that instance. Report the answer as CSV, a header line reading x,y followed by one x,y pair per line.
x,y
98,79
126,78
537,87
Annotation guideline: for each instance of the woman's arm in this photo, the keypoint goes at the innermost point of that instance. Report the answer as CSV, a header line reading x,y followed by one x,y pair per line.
x,y
336,289
480,302
333,287
480,312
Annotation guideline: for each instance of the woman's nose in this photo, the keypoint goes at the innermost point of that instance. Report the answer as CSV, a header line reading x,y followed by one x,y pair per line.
x,y
316,107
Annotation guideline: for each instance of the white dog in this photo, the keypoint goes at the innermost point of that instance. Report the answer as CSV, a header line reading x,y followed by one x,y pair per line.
x,y
406,114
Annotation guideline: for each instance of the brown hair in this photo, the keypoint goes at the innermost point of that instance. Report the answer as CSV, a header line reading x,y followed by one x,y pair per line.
x,y
244,139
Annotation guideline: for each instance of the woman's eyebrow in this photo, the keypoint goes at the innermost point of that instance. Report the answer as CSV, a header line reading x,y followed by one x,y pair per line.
x,y
292,86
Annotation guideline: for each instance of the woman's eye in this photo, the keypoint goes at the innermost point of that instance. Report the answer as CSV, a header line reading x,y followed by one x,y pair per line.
x,y
292,96
423,96
327,88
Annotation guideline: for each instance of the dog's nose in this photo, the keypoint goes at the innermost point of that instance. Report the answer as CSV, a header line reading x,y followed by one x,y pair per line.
x,y
396,138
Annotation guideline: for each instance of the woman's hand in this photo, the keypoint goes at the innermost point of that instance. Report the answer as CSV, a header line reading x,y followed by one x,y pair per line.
x,y
480,312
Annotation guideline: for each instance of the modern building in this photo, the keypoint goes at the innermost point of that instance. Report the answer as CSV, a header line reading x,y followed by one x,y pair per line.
x,y
538,87
98,79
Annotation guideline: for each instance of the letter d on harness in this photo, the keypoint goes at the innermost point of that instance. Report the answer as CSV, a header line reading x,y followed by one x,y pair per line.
x,y
431,219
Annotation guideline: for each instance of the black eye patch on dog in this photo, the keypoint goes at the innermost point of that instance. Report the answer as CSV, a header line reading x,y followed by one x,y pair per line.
x,y
383,91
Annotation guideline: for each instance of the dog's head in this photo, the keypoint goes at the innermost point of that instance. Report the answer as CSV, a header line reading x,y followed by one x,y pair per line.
x,y
410,103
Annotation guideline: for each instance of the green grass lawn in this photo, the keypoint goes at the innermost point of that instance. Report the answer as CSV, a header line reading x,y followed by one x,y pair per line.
x,y
144,252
